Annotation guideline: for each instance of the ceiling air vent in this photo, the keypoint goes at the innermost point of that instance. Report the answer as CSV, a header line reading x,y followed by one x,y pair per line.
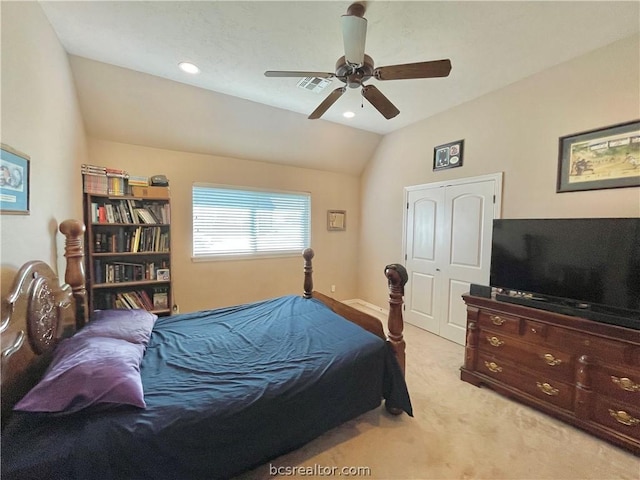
x,y
314,84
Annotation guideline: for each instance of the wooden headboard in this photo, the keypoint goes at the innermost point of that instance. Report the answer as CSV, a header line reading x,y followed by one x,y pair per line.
x,y
39,311
36,313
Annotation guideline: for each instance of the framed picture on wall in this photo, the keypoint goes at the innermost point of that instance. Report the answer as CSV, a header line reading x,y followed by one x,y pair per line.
x,y
14,181
336,220
448,155
606,157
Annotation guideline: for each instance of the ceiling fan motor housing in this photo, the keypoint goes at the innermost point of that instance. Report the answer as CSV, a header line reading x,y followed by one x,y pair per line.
x,y
354,75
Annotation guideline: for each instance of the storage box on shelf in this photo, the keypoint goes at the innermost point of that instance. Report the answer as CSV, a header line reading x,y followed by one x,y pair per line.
x,y
128,240
584,372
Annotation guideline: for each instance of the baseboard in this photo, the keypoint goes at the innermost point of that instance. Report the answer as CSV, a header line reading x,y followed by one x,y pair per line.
x,y
367,307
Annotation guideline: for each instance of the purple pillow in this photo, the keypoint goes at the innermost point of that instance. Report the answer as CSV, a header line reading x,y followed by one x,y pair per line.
x,y
131,325
88,371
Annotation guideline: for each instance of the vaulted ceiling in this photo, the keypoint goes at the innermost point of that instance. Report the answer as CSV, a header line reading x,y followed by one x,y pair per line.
x,y
124,56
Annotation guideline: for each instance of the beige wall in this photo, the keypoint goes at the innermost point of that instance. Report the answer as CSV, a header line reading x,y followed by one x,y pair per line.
x,y
41,118
200,285
514,130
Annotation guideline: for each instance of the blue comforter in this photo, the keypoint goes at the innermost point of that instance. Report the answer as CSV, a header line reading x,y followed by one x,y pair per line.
x,y
226,390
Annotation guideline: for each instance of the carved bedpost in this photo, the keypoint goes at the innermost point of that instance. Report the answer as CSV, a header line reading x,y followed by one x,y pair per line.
x,y
397,276
74,276
308,272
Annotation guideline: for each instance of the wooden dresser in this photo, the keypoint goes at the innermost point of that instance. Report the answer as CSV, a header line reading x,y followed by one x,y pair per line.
x,y
581,371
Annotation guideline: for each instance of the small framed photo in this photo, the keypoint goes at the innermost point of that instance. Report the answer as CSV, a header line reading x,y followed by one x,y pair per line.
x,y
14,181
607,157
448,155
162,274
336,220
161,300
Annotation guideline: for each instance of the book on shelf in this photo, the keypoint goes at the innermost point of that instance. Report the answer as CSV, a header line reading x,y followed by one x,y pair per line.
x,y
130,299
116,172
145,215
109,209
138,181
130,211
95,183
146,300
104,180
93,169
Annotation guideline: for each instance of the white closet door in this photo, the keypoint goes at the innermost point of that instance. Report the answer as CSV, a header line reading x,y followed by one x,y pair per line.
x,y
447,247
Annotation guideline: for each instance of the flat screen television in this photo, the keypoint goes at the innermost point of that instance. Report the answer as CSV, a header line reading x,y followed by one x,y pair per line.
x,y
584,263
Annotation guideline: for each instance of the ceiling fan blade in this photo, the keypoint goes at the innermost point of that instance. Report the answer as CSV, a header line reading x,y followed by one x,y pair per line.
x,y
327,102
354,34
436,68
284,73
379,101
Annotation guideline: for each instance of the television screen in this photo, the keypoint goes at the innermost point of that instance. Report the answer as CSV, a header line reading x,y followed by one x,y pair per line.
x,y
588,260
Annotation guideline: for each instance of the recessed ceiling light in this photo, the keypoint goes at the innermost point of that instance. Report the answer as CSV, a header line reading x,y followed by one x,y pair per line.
x,y
189,68
348,114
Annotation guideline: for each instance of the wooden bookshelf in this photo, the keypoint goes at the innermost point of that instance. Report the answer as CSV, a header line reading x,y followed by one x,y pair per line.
x,y
128,241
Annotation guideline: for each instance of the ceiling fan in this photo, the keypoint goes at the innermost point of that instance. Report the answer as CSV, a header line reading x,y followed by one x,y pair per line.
x,y
355,68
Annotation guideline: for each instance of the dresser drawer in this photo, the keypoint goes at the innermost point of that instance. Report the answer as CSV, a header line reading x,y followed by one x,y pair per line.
x,y
617,382
499,322
619,416
547,361
535,332
551,391
596,347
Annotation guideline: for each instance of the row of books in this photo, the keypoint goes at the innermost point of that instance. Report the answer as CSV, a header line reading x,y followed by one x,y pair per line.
x,y
138,181
130,211
133,299
118,272
105,180
128,240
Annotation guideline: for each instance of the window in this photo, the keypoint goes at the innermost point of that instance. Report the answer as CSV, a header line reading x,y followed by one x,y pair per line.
x,y
239,222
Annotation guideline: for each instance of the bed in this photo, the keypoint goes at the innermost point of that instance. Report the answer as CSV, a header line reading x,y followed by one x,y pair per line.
x,y
207,394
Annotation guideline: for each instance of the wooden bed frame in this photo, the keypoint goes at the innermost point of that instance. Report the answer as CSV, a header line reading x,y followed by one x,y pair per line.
x,y
38,312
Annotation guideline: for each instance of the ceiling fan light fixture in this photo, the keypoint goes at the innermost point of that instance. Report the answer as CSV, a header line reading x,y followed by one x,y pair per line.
x,y
189,68
354,33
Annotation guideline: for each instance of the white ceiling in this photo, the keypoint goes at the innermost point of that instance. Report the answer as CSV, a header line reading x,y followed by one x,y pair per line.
x,y
490,44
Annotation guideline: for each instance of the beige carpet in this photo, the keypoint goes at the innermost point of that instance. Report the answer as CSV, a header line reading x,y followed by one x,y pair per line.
x,y
458,432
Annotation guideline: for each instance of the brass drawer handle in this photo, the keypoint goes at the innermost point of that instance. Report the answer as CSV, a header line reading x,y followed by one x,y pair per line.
x,y
626,384
624,418
494,367
548,389
496,320
551,360
495,341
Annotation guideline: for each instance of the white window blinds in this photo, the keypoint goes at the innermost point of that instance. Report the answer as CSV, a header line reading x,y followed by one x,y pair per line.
x,y
231,221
